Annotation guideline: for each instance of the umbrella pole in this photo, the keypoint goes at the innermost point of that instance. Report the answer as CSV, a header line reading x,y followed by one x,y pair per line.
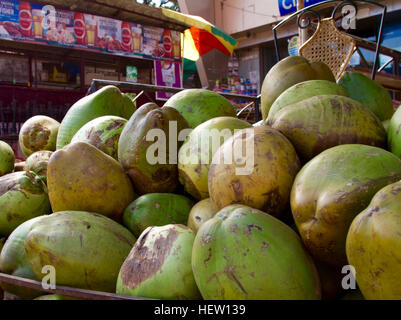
x,y
199,63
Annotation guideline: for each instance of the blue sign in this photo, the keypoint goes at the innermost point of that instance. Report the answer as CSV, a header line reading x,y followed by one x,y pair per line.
x,y
290,6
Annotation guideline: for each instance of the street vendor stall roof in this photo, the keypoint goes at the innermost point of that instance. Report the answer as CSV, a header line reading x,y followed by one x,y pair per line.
x,y
126,10
200,36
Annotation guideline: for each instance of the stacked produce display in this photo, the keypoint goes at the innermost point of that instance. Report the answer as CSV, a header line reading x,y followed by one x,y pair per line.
x,y
187,201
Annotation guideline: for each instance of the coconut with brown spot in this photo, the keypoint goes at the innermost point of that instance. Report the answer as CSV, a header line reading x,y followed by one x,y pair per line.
x,y
332,189
200,213
305,90
37,162
374,245
321,122
23,196
103,133
81,177
245,254
259,172
159,265
38,133
104,102
148,148
86,249
195,155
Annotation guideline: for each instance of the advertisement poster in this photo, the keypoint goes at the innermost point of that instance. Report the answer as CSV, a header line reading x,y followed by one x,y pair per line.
x,y
158,42
132,74
293,46
167,74
29,22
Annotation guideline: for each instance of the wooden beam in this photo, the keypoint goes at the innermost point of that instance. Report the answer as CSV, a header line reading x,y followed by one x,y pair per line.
x,y
65,291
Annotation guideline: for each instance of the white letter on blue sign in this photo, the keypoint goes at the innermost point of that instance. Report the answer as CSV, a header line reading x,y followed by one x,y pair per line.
x,y
286,6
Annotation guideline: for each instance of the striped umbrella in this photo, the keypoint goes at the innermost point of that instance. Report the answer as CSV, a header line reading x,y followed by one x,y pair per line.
x,y
201,36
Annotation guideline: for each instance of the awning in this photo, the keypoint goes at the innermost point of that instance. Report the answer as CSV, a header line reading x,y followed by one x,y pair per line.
x,y
126,10
200,36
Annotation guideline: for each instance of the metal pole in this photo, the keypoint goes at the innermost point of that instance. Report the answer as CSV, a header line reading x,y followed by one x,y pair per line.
x,y
302,32
276,45
379,42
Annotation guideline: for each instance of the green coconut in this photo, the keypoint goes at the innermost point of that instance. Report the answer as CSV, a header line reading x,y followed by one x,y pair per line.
x,y
38,133
332,189
148,148
305,90
23,196
195,155
199,105
260,175
7,158
105,102
374,245
156,209
368,92
86,249
321,122
200,213
103,133
394,133
288,72
80,177
159,265
14,261
245,254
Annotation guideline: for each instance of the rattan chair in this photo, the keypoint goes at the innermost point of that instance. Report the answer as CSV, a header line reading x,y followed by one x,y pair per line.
x,y
329,45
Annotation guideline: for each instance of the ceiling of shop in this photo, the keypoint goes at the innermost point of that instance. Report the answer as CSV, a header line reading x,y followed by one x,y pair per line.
x,y
127,10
